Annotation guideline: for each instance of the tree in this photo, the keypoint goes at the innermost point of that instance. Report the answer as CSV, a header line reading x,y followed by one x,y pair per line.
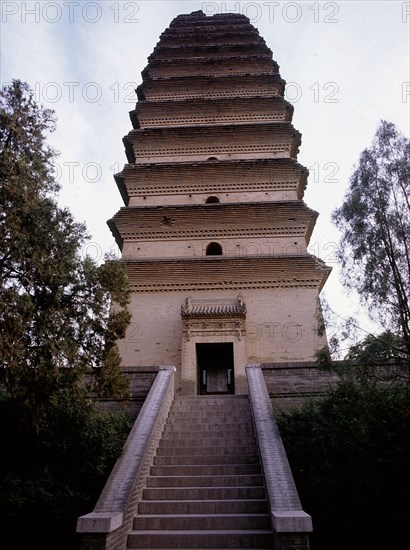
x,y
349,453
375,224
378,359
51,477
57,317
378,350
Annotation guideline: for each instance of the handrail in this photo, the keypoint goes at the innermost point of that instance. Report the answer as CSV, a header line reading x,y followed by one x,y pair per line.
x,y
287,515
111,508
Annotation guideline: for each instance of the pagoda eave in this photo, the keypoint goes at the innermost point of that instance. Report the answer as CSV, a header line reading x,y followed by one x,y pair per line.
x,y
258,219
184,112
217,175
221,273
164,88
202,142
167,51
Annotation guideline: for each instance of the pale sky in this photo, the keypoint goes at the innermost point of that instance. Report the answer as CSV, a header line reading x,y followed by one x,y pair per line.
x,y
346,65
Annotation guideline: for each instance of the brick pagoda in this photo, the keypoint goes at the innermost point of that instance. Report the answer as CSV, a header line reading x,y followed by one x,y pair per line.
x,y
214,231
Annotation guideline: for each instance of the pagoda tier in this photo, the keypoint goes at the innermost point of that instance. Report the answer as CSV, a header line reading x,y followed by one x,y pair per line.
x,y
222,38
215,87
204,28
217,66
213,221
259,179
218,273
193,58
250,48
221,142
199,19
235,34
266,228
196,112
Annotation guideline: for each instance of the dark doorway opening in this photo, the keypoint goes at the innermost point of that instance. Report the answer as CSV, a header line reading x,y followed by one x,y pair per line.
x,y
212,200
214,249
215,368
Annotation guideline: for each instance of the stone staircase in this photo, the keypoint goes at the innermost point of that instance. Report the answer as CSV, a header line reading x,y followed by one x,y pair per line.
x,y
205,488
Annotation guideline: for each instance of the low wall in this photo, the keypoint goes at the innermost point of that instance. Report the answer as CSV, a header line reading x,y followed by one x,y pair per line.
x,y
289,384
141,380
107,526
290,523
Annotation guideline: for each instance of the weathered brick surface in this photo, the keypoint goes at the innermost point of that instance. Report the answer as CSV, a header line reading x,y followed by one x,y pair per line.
x,y
141,380
124,487
228,138
286,511
290,384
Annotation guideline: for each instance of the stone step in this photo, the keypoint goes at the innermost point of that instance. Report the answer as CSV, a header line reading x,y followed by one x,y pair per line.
x,y
221,402
212,408
250,458
210,416
191,424
202,521
206,481
207,442
206,488
218,405
216,427
223,399
195,451
201,539
178,431
203,493
215,406
211,506
205,470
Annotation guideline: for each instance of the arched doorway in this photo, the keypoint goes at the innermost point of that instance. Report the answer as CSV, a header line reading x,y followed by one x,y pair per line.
x,y
213,249
215,364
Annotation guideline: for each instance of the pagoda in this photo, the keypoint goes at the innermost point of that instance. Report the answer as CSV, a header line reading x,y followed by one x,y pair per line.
x,y
214,231
225,299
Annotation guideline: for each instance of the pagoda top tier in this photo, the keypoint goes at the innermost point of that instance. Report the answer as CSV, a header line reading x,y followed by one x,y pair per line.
x,y
195,45
199,18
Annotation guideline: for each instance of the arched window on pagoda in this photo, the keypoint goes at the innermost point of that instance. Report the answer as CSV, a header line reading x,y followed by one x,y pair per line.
x,y
214,249
212,200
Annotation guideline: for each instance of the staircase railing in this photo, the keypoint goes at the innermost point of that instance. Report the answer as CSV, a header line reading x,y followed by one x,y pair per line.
x,y
107,526
290,523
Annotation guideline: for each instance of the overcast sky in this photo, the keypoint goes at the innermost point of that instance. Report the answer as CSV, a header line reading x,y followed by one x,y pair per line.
x,y
346,65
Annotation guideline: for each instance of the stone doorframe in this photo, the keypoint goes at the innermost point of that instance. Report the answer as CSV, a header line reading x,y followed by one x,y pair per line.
x,y
209,321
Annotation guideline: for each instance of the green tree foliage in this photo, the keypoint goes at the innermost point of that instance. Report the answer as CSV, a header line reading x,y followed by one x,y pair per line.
x,y
375,224
60,317
57,317
378,359
50,477
349,454
378,350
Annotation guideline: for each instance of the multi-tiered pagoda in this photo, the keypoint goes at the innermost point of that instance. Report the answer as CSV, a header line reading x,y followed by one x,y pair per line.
x,y
214,230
